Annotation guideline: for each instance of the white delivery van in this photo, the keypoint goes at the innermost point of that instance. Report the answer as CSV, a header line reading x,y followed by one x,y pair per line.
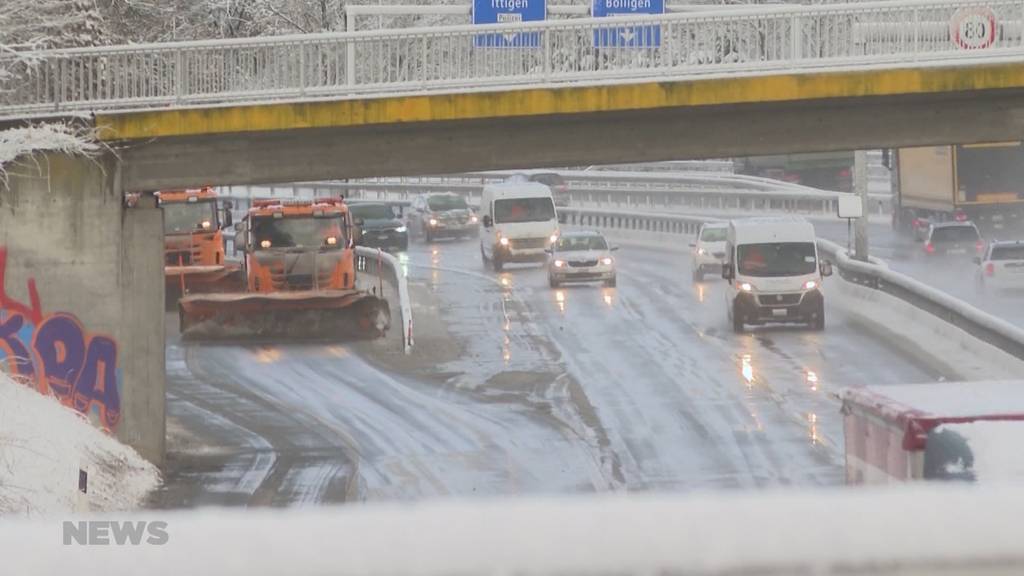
x,y
518,223
774,273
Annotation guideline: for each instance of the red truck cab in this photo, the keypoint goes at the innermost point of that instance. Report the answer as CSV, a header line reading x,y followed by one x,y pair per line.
x,y
944,431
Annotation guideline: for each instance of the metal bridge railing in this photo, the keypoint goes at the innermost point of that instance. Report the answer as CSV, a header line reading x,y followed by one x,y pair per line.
x,y
465,58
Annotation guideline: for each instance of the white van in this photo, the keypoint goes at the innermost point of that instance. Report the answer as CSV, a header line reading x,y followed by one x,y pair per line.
x,y
774,273
518,223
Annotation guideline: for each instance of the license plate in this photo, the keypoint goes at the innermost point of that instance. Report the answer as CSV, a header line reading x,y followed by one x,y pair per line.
x,y
382,237
779,312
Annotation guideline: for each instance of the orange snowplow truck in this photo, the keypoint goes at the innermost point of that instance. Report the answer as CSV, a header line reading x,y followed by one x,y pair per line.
x,y
194,243
300,279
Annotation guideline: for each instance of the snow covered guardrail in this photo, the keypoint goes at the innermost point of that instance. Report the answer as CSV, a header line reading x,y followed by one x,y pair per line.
x,y
736,42
979,324
380,267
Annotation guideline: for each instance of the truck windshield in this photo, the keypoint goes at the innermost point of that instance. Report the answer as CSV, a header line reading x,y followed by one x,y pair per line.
x,y
442,203
371,211
713,235
187,217
776,259
514,210
298,232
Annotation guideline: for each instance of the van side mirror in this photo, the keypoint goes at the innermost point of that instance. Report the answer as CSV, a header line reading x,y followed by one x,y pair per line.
x,y
826,268
488,221
728,272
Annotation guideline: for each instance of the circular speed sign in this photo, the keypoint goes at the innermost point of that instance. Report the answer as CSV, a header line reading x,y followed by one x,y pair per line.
x,y
973,28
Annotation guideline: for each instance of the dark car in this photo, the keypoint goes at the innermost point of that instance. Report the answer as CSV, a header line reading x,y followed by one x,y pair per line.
x,y
443,214
954,239
379,225
559,189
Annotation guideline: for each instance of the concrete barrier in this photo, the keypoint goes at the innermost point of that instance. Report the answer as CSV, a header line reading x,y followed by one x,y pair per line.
x,y
81,294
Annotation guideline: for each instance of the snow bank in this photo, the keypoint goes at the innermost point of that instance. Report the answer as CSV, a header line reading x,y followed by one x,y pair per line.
x,y
908,529
43,444
16,142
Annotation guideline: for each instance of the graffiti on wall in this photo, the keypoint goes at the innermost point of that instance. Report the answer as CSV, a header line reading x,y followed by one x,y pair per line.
x,y
56,354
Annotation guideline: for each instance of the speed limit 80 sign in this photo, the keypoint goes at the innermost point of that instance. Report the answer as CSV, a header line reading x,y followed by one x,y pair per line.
x,y
973,28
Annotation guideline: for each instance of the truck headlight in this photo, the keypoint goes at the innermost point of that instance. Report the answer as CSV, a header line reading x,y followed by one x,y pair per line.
x,y
265,244
331,241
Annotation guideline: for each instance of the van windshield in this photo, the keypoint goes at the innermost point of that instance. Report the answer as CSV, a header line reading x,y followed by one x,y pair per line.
x,y
511,210
776,259
713,235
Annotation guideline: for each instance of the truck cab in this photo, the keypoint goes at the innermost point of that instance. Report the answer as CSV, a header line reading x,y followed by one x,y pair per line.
x,y
774,273
192,227
297,246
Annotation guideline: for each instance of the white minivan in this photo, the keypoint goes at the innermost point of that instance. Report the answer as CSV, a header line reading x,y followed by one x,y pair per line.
x,y
519,223
774,273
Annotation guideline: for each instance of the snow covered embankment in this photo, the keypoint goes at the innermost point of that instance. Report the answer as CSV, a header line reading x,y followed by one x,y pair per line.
x,y
44,444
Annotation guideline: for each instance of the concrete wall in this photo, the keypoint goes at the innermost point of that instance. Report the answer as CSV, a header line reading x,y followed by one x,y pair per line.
x,y
81,305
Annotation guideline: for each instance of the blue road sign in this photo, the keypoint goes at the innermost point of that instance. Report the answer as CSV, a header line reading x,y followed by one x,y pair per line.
x,y
628,36
505,11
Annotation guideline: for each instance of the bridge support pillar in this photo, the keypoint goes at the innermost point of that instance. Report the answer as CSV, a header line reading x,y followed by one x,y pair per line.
x,y
82,294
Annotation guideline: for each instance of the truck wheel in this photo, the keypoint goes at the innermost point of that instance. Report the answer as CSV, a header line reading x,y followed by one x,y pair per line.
x,y
818,323
737,321
737,324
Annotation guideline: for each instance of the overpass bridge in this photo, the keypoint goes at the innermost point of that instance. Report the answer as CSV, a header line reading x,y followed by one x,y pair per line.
x,y
444,100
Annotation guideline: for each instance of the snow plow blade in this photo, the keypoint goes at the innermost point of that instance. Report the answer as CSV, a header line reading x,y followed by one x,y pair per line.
x,y
304,315
181,280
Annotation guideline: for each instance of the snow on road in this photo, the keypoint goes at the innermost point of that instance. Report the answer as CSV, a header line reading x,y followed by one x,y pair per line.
x,y
516,388
44,444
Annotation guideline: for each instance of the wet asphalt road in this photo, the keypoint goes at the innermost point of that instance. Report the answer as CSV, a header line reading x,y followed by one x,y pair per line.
x,y
515,388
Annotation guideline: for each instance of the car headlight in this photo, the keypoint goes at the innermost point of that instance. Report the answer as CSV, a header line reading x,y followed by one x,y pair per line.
x,y
401,229
433,221
607,261
474,219
745,286
553,238
559,263
702,251
810,285
503,241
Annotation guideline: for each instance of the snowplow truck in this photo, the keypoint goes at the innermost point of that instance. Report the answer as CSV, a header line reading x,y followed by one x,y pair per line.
x,y
300,280
194,244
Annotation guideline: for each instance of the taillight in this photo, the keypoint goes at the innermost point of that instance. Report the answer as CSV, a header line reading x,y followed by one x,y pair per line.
x,y
990,269
930,248
980,245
